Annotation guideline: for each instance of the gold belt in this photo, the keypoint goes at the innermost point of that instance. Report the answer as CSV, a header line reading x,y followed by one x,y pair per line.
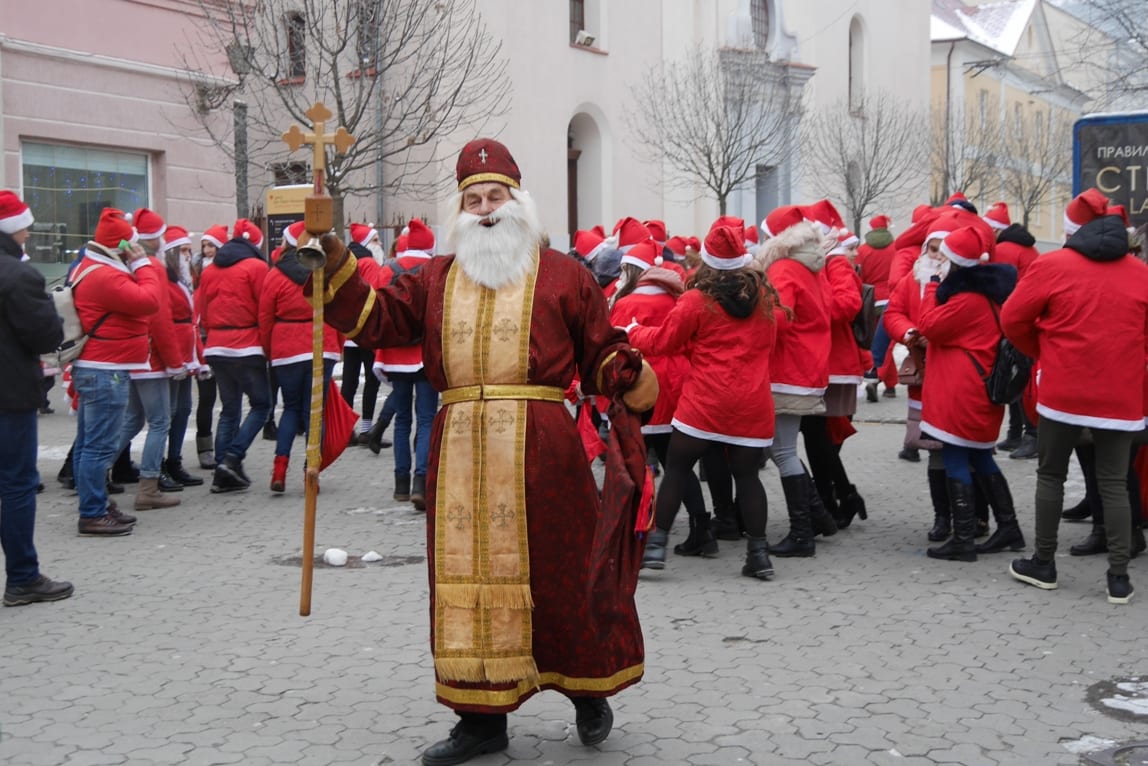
x,y
502,391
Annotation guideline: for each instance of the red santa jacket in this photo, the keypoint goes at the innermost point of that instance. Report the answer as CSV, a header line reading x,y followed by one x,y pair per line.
x,y
165,357
903,313
874,259
285,316
843,298
400,358
1015,246
957,317
1084,304
183,318
649,304
800,357
127,297
229,290
726,396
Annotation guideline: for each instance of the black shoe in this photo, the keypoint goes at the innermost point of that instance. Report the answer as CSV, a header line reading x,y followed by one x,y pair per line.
x,y
227,479
464,744
909,455
166,483
1120,589
42,589
725,526
1026,450
1009,444
593,719
1007,536
402,487
65,476
1033,571
871,391
270,431
1082,511
124,471
794,547
112,488
982,529
851,505
174,469
757,563
889,392
701,541
419,492
236,465
654,556
1096,542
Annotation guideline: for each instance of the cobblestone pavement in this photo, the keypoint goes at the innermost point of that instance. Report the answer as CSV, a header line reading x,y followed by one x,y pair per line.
x,y
183,644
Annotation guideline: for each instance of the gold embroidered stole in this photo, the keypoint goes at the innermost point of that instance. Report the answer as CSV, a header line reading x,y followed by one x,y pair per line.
x,y
482,560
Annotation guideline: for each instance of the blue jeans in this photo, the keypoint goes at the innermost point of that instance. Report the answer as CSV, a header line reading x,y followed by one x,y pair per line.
x,y
103,399
295,385
881,342
18,481
150,401
180,393
958,459
234,377
408,387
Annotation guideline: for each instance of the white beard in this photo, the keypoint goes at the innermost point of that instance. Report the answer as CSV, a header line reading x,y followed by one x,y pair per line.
x,y
377,252
499,255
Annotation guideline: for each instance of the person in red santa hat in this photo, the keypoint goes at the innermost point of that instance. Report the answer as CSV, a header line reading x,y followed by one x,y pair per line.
x,y
874,260
728,312
369,254
205,389
503,327
1063,314
960,317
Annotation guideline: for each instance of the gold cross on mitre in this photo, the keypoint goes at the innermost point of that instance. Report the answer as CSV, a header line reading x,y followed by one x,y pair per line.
x,y
318,209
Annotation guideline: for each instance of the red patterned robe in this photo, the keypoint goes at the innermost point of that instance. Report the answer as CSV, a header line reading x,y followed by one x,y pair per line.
x,y
563,613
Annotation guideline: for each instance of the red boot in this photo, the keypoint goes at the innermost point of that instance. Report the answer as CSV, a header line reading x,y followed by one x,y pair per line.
x,y
279,473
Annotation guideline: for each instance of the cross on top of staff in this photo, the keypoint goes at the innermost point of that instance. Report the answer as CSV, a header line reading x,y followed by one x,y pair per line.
x,y
318,138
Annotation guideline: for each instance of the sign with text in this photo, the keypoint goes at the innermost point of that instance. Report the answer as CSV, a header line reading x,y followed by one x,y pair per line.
x,y
284,207
1110,153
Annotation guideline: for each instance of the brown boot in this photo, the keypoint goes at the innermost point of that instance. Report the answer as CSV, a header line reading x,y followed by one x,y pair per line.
x,y
149,496
103,526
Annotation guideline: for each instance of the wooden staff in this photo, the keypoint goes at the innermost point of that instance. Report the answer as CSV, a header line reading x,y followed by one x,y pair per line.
x,y
318,219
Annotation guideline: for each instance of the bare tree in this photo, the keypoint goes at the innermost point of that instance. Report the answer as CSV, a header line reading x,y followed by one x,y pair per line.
x,y
400,75
1036,157
715,116
965,151
1109,52
873,155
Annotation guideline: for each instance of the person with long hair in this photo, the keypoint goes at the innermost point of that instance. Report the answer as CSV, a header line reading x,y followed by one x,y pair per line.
x,y
726,326
205,390
177,260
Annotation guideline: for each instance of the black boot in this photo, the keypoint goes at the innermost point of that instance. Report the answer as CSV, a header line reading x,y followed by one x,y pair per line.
x,y
1079,512
229,476
419,492
1096,542
270,430
475,734
375,440
65,477
823,523
1138,543
961,547
981,510
1008,534
942,515
701,541
174,469
123,470
757,562
166,483
655,555
593,719
402,487
725,525
799,541
851,505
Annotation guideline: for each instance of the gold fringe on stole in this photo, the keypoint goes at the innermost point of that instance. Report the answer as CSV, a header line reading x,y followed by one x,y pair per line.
x,y
460,669
460,595
505,597
503,670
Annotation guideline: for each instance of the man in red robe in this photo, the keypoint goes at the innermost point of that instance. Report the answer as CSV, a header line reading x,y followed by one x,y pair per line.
x,y
532,576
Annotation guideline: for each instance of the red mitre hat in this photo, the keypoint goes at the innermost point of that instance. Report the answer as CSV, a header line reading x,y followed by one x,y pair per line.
x,y
484,160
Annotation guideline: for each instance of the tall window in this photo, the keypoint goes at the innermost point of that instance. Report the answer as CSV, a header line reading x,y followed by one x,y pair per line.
x,y
67,186
759,16
296,45
856,66
577,18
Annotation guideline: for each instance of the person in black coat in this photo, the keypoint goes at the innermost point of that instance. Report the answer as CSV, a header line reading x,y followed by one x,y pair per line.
x,y
29,326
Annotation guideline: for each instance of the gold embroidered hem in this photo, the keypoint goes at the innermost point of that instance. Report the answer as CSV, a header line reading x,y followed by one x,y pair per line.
x,y
495,698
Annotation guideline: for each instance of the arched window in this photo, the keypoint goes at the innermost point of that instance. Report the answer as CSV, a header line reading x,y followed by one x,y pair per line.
x,y
856,66
759,16
296,45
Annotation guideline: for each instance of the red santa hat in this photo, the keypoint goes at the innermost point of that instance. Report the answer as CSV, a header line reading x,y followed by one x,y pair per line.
x,y
677,245
484,160
879,222
14,214
958,199
216,235
750,234
113,228
724,248
845,240
728,220
920,212
1121,212
244,229
1084,207
997,216
589,243
292,233
401,243
657,230
363,233
965,247
694,244
148,223
644,254
420,239
174,236
824,214
782,218
630,231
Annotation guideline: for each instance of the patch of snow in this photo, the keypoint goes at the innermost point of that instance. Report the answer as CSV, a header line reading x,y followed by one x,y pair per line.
x,y
1088,744
371,556
1135,699
335,557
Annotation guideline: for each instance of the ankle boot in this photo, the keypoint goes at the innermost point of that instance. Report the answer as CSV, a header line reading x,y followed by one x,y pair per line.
x,y
725,525
851,505
174,469
701,540
1078,512
799,541
823,523
65,476
1008,534
402,487
757,563
1096,542
279,473
148,496
375,440
981,508
655,554
1138,543
230,476
206,450
961,547
942,516
123,470
419,492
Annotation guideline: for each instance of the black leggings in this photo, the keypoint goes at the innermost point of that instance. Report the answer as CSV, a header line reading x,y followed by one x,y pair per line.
x,y
205,408
824,459
684,451
692,495
354,359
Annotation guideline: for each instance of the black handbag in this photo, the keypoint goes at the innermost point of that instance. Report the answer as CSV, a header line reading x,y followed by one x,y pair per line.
x,y
1006,381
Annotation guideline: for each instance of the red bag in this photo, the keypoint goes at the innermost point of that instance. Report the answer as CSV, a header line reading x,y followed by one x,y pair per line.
x,y
338,424
592,444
